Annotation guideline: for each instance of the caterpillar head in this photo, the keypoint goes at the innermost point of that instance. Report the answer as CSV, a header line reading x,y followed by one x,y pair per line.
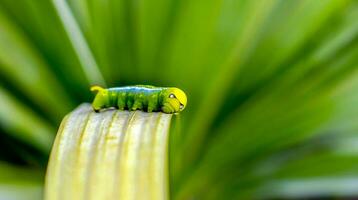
x,y
174,100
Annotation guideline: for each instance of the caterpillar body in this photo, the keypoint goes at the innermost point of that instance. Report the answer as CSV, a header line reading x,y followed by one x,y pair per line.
x,y
140,97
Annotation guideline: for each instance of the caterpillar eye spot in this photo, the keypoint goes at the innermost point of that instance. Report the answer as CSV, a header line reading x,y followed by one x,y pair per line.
x,y
181,106
171,96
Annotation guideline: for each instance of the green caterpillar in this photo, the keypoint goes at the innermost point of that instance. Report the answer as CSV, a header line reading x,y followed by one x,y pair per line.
x,y
140,97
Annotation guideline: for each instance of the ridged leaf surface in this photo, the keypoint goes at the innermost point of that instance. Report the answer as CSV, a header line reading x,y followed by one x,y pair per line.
x,y
109,155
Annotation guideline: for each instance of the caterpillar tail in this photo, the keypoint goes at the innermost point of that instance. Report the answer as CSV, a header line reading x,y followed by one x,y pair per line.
x,y
96,88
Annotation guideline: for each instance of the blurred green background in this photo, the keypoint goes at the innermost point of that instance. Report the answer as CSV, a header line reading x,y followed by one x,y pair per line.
x,y
272,89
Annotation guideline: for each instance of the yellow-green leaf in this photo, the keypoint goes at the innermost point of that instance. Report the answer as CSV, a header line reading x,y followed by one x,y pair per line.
x,y
109,155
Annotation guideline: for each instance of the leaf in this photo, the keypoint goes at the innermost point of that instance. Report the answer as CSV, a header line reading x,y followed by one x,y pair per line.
x,y
29,187
23,66
109,155
79,43
311,187
42,26
13,114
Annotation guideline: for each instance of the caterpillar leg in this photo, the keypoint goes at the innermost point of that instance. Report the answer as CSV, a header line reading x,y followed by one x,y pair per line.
x,y
121,101
121,106
151,107
129,104
137,105
152,103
